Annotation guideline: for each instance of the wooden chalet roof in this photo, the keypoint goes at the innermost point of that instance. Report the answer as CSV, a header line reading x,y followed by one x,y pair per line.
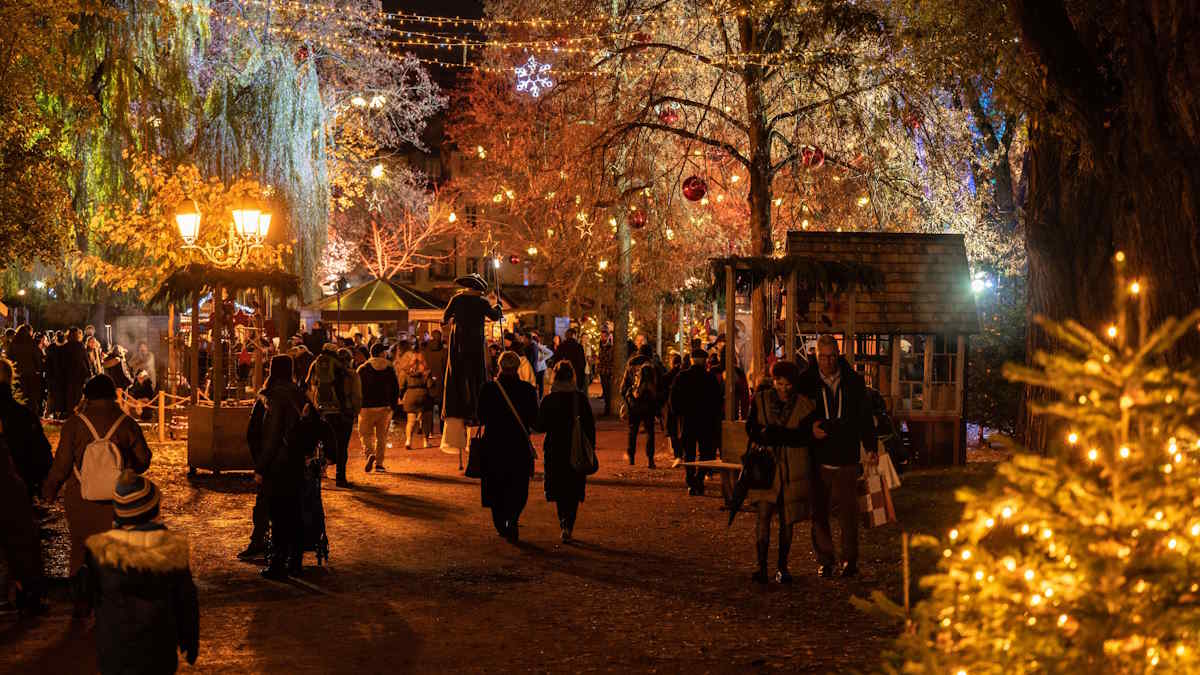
x,y
926,282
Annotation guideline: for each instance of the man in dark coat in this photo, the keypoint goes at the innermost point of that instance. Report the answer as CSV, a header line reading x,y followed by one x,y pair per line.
x,y
570,350
697,399
844,414
467,370
29,361
55,382
75,370
508,462
435,360
278,464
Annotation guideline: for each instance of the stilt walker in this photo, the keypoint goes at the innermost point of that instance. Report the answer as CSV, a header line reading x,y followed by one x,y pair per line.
x,y
466,368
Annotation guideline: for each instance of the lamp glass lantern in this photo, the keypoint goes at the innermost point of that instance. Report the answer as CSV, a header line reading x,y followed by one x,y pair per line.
x,y
246,222
188,221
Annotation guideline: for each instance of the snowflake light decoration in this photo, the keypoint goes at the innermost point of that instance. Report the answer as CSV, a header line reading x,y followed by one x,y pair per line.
x,y
533,77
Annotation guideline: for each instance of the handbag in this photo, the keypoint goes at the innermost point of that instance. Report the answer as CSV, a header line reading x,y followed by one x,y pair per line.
x,y
583,453
758,462
476,451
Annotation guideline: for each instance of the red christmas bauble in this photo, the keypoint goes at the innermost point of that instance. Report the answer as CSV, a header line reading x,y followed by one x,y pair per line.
x,y
514,259
913,119
302,54
694,188
637,219
812,157
668,115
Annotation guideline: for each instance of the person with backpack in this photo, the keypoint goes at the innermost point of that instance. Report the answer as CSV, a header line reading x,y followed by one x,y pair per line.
x,y
96,444
327,383
561,409
138,576
639,387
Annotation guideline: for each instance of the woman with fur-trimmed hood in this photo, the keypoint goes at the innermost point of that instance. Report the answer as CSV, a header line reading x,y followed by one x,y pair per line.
x,y
140,582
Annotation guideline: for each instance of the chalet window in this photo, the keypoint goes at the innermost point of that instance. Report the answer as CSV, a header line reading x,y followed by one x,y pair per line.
x,y
442,270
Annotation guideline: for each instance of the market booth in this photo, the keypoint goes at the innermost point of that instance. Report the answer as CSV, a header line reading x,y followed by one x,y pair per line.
x,y
377,307
899,304
217,421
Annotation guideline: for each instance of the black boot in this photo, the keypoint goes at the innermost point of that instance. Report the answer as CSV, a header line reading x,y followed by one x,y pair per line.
x,y
760,576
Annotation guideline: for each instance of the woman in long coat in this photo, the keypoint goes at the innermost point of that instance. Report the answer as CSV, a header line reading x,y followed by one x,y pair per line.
x,y
778,413
86,517
508,455
75,370
564,485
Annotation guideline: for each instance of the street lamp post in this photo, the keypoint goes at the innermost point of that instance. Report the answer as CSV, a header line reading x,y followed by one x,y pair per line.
x,y
246,232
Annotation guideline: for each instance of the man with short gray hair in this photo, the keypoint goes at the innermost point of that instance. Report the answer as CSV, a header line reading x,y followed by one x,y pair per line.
x,y
844,423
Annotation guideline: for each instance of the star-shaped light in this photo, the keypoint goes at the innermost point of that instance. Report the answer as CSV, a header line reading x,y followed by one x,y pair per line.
x,y
534,77
375,203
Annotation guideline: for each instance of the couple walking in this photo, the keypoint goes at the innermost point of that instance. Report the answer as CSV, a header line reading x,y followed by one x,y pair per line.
x,y
813,423
508,409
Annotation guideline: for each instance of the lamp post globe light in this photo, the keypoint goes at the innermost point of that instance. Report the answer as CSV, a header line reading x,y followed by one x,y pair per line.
x,y
247,231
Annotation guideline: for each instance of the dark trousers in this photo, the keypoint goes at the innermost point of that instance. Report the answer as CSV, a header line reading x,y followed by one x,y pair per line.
x,y
692,444
606,392
262,518
507,505
673,435
835,485
567,510
342,428
541,384
645,420
286,531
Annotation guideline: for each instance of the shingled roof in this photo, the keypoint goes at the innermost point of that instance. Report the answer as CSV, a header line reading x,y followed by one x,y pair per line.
x,y
926,282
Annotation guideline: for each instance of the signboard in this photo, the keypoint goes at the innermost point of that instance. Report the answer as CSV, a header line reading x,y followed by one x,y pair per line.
x,y
561,324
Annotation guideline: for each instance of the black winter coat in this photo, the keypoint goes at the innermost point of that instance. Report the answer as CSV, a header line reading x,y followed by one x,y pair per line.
x,y
26,440
571,350
75,371
849,413
30,363
557,418
276,413
144,597
379,385
697,397
508,464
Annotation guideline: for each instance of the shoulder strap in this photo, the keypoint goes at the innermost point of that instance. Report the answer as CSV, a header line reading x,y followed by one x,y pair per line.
x,y
114,426
513,408
95,434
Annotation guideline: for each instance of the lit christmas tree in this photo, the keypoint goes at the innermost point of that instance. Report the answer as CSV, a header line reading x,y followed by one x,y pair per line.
x,y
1086,560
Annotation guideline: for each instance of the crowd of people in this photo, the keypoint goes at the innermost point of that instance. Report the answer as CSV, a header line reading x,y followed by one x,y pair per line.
x,y
812,418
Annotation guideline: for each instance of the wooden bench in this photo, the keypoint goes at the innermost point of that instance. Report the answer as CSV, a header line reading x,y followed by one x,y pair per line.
x,y
726,469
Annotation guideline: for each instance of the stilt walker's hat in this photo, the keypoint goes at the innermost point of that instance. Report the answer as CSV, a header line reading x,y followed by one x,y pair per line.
x,y
473,282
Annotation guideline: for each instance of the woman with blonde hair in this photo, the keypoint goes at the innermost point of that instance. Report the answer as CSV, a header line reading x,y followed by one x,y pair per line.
x,y
414,394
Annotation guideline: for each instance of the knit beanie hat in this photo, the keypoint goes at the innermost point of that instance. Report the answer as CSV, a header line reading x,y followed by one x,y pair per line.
x,y
99,387
135,499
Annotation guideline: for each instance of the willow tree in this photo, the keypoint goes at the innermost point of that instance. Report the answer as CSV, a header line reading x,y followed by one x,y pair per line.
x,y
267,90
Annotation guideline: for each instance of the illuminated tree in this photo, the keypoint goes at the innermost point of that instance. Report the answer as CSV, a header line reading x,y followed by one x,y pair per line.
x,y
402,226
1081,560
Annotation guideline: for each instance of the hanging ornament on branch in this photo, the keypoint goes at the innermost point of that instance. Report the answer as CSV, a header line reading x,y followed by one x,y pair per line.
x,y
668,113
637,219
694,188
812,157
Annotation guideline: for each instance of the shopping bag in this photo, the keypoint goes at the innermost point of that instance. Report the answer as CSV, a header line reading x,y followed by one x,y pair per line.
x,y
477,453
891,478
872,502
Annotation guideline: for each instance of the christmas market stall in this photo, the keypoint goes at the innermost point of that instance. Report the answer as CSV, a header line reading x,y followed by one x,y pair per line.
x,y
217,421
901,307
375,308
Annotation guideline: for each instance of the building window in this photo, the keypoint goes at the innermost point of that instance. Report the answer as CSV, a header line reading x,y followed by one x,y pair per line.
x,y
442,269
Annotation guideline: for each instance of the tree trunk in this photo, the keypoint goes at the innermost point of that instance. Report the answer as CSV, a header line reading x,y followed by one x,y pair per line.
x,y
624,302
1120,170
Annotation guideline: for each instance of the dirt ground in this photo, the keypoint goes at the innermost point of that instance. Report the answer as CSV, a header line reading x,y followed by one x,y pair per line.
x,y
419,581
